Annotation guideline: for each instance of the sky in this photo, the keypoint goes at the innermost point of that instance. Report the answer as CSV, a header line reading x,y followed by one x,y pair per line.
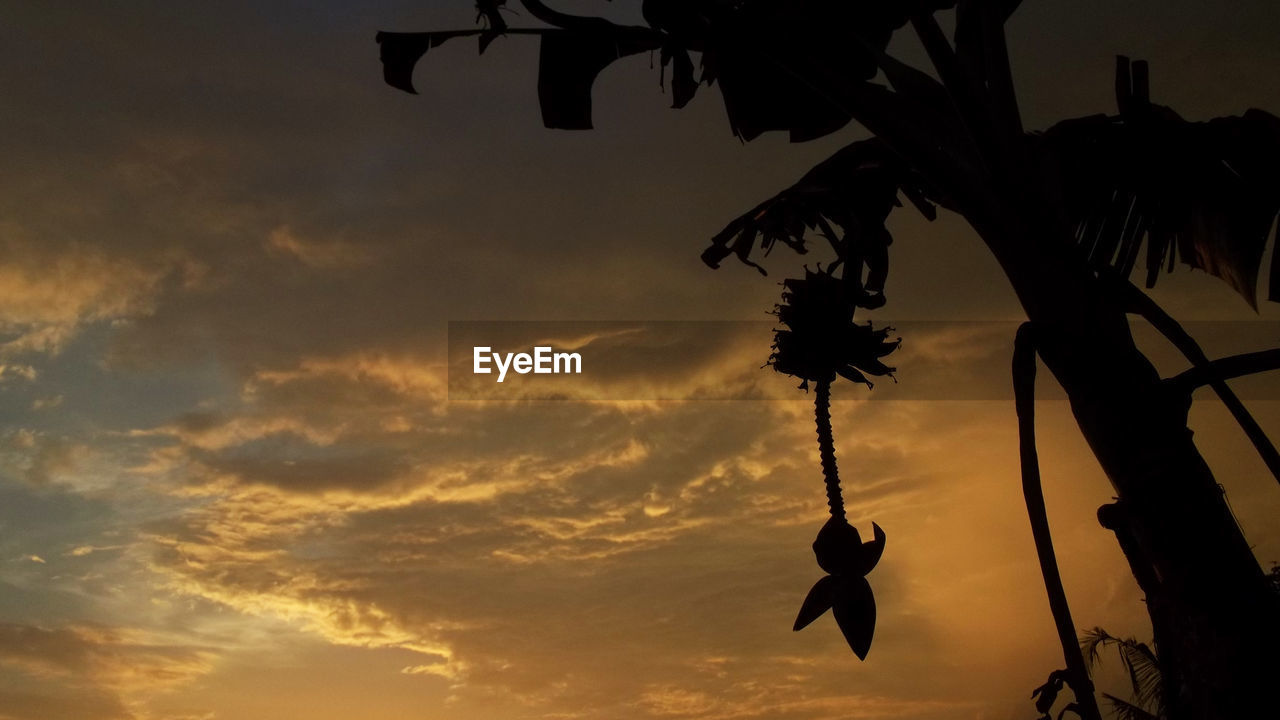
x,y
233,484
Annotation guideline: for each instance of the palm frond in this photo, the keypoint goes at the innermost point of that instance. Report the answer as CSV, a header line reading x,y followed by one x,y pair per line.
x,y
1140,663
1144,672
1125,710
1091,643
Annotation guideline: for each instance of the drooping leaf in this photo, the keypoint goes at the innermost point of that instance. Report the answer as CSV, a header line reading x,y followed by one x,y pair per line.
x,y
1091,643
855,613
400,52
1144,672
683,84
799,66
819,600
569,60
734,240
568,64
1204,193
854,190
1047,694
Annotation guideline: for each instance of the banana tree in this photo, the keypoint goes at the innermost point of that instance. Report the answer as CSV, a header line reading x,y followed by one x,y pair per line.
x,y
1070,213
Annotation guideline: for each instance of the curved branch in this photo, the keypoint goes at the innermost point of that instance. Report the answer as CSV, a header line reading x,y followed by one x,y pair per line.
x,y
1024,383
1142,304
1227,368
565,21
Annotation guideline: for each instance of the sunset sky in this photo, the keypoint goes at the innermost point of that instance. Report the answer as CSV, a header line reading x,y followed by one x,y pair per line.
x,y
232,481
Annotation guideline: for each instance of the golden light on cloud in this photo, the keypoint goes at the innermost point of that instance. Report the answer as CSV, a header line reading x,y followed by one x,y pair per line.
x,y
47,296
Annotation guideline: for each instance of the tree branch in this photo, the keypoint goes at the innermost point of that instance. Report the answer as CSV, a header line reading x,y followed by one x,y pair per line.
x,y
1227,368
1141,303
565,21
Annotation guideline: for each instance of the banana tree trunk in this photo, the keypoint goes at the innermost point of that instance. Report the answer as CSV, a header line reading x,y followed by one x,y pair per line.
x,y
1215,619
1212,613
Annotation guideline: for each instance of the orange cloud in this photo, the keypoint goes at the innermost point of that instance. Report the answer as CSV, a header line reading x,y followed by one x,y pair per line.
x,y
47,296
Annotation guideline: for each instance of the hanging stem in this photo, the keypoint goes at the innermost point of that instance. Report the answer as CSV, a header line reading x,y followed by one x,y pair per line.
x,y
827,447
1024,384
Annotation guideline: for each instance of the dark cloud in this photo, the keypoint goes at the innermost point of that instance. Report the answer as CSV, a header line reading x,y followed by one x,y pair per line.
x,y
100,670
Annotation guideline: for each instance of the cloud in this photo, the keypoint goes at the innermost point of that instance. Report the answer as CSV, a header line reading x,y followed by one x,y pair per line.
x,y
84,550
509,549
516,573
47,403
63,704
48,295
315,254
48,458
10,372
791,700
125,668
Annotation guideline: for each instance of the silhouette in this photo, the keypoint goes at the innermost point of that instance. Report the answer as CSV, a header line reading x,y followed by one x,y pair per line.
x,y
1076,674
1142,667
1047,694
819,342
1067,213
